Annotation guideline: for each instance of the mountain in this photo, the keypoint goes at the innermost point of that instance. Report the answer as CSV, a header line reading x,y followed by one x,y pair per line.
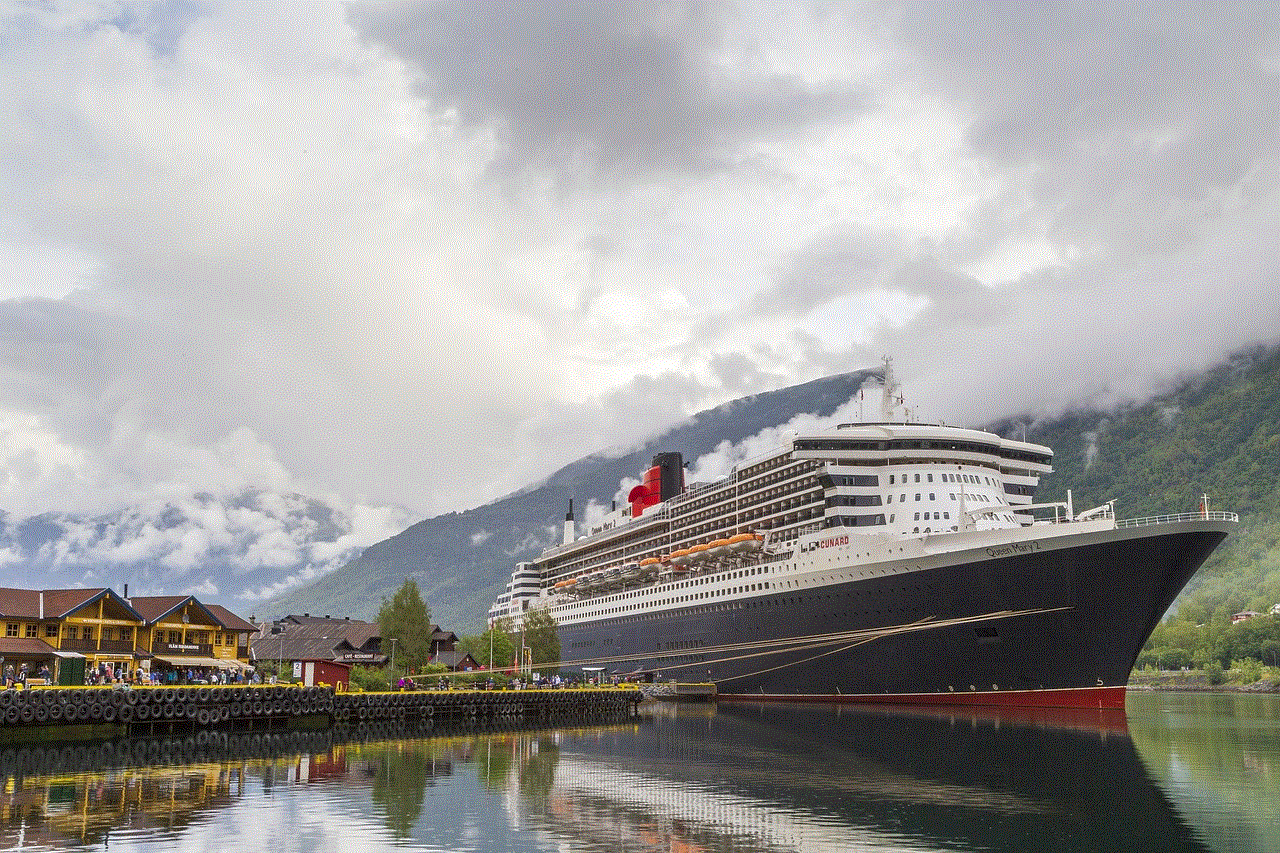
x,y
461,561
230,550
266,554
1216,433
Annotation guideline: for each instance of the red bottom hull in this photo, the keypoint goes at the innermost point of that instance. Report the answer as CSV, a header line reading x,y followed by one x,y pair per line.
x,y
1104,698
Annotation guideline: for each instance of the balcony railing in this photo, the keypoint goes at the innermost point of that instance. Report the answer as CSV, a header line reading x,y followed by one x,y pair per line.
x,y
1178,517
116,646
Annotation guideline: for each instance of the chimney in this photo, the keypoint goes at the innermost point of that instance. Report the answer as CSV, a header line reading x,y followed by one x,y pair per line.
x,y
568,524
126,592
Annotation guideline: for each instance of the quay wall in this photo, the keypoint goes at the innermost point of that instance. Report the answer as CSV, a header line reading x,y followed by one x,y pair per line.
x,y
147,709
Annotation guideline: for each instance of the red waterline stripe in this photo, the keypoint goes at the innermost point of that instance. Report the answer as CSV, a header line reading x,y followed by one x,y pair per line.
x,y
1080,697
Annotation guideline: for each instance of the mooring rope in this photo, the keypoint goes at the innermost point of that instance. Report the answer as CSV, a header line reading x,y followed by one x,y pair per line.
x,y
760,648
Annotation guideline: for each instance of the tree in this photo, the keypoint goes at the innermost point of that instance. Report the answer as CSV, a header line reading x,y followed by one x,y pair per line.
x,y
497,639
407,619
1271,652
542,638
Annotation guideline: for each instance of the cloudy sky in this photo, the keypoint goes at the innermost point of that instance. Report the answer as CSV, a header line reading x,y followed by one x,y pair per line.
x,y
422,255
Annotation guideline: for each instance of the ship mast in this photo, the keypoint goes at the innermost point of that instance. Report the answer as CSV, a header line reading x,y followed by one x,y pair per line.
x,y
889,398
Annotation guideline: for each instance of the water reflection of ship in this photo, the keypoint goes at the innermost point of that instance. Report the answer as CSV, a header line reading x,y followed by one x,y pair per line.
x,y
816,779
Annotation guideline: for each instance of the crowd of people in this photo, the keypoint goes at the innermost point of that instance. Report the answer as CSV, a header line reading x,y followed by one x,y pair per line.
x,y
106,673
20,676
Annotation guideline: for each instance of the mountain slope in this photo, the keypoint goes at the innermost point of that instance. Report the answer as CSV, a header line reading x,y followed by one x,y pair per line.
x,y
1216,433
461,561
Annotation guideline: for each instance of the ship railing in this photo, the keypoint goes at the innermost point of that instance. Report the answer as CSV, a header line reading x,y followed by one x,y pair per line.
x,y
1179,517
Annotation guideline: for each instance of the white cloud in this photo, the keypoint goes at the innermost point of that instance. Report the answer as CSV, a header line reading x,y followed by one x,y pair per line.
x,y
329,250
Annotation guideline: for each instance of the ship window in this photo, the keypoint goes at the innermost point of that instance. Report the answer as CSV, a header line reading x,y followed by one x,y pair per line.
x,y
917,496
946,515
930,478
890,479
931,497
917,478
917,516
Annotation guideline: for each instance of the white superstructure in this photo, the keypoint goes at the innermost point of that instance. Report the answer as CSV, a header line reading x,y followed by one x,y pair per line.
x,y
865,493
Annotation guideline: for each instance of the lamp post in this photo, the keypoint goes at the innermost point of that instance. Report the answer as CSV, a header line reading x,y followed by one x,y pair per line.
x,y
394,640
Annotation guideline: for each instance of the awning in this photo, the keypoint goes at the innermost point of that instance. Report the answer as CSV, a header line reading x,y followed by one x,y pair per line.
x,y
178,660
60,653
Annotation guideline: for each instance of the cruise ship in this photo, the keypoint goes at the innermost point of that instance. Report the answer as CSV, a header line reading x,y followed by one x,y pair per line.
x,y
890,562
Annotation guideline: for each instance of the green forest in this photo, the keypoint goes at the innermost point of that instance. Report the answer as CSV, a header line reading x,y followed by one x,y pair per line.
x,y
1217,434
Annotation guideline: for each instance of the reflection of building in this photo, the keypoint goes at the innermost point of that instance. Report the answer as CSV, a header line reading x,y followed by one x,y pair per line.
x,y
74,631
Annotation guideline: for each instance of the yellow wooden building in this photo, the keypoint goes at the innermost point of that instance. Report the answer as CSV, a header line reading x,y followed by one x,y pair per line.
x,y
77,633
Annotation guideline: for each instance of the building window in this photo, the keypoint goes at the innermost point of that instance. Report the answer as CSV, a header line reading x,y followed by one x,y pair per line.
x,y
33,630
88,633
11,630
51,630
73,633
173,637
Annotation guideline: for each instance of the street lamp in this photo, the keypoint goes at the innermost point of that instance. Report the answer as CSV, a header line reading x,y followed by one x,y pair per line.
x,y
277,629
394,640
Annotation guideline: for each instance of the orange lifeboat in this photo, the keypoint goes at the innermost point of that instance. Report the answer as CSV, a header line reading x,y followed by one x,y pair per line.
x,y
698,553
718,548
680,557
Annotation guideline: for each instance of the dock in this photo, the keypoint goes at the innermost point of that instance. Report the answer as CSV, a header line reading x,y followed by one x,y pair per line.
x,y
675,691
51,712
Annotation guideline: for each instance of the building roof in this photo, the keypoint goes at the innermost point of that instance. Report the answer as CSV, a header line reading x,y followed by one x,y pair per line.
x,y
454,659
25,646
354,631
155,607
230,620
55,603
288,645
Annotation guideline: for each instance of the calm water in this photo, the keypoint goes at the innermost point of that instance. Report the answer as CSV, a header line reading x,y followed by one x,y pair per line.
x,y
1178,772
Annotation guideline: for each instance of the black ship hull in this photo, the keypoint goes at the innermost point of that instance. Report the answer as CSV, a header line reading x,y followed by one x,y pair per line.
x,y
1055,623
